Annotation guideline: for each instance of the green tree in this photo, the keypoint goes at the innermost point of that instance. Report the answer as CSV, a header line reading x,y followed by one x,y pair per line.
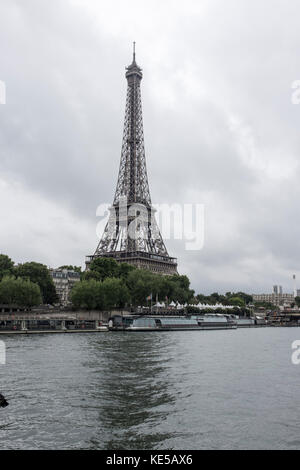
x,y
248,299
106,267
86,294
99,295
116,293
123,283
140,284
180,281
77,269
180,295
236,301
21,292
297,300
39,274
124,270
266,305
88,275
179,290
6,266
215,297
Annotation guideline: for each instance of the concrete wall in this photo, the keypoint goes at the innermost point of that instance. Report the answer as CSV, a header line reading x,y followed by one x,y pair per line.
x,y
97,315
55,314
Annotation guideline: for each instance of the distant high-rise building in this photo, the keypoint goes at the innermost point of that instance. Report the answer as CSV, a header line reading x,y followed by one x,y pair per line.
x,y
277,298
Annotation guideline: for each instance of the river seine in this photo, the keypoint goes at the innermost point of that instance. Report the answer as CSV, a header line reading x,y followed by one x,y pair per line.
x,y
175,390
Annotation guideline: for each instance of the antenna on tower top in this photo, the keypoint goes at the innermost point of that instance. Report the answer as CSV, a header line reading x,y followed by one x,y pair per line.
x,y
133,51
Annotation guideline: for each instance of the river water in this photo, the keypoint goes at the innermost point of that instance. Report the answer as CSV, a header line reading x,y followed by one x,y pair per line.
x,y
173,390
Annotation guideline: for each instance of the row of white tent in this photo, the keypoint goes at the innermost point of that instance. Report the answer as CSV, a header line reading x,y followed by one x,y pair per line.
x,y
178,306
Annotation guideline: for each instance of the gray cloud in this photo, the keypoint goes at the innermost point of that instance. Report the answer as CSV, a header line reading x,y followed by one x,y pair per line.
x,y
220,128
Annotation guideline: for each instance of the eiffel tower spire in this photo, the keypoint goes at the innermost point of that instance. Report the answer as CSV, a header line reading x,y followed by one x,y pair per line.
x,y
131,234
133,180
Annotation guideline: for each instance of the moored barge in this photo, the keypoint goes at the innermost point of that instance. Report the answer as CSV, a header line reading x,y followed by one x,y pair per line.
x,y
171,323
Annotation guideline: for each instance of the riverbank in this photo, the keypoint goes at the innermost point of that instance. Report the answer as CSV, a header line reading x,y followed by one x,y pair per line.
x,y
105,329
39,332
25,323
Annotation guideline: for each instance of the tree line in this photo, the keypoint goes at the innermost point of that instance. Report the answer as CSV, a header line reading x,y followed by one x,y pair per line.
x,y
106,285
25,285
238,299
109,284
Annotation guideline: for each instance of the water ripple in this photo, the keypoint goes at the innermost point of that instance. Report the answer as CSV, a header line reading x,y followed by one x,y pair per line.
x,y
179,390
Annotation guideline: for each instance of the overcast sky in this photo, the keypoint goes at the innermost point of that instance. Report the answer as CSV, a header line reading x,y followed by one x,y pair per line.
x,y
220,128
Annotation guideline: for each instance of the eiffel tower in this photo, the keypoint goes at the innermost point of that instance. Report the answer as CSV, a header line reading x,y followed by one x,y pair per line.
x,y
132,234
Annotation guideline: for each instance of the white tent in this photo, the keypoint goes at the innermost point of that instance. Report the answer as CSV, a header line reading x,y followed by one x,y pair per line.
x,y
157,305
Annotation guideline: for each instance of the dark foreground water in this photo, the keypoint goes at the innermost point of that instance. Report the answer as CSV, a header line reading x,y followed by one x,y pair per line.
x,y
176,390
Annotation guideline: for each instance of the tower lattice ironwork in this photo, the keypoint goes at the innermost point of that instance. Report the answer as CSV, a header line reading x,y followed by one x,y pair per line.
x,y
132,234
